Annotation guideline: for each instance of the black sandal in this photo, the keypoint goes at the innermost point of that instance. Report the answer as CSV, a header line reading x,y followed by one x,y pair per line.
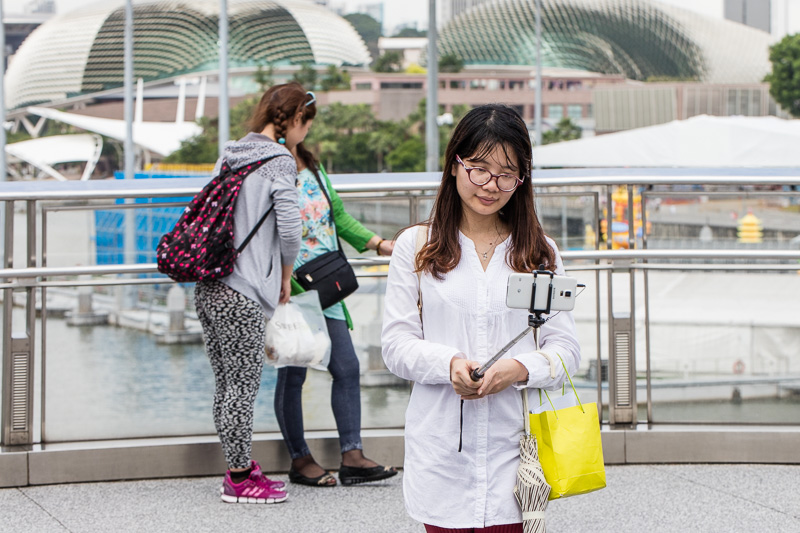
x,y
351,475
325,480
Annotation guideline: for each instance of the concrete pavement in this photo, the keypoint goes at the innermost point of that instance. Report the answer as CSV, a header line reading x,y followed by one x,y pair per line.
x,y
639,498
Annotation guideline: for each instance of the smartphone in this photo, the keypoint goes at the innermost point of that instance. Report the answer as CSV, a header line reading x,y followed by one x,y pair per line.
x,y
520,288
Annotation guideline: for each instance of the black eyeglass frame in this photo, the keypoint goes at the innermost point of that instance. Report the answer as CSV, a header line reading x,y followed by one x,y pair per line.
x,y
469,170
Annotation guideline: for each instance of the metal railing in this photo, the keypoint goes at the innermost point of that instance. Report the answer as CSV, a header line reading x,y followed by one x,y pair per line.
x,y
32,278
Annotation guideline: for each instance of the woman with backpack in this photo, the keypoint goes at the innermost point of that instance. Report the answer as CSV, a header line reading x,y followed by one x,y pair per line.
x,y
233,310
324,222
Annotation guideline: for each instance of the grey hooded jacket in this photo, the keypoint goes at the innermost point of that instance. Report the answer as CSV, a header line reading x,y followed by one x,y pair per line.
x,y
257,272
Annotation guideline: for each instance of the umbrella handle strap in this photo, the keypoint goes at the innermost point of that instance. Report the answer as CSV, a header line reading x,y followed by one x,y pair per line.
x,y
525,412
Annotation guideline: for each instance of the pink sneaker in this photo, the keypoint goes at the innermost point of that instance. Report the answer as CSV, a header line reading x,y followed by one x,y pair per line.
x,y
251,490
274,483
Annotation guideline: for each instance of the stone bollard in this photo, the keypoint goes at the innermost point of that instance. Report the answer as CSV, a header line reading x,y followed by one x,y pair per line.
x,y
84,314
84,300
176,306
176,332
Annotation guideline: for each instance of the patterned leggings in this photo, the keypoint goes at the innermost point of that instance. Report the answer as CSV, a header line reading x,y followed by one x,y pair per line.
x,y
233,331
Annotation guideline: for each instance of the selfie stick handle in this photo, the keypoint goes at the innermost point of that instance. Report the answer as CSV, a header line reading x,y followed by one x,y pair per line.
x,y
534,321
478,373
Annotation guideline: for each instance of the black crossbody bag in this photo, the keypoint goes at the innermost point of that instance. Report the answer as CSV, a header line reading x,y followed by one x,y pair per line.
x,y
329,274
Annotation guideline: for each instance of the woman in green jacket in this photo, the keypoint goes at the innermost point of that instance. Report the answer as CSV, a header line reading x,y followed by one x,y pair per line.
x,y
319,236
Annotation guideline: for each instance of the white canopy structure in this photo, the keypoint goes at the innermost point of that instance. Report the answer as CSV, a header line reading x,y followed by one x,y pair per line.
x,y
45,152
161,138
702,141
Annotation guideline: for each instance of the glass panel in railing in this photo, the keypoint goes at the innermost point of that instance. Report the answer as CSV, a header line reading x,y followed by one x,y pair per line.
x,y
110,373
725,347
568,218
704,217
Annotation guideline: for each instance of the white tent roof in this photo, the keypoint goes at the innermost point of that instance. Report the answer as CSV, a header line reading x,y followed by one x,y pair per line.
x,y
701,141
161,138
45,152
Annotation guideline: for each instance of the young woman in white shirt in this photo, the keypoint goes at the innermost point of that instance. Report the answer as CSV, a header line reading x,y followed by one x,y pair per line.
x,y
461,436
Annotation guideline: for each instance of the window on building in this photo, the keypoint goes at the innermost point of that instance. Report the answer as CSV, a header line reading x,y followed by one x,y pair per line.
x,y
555,111
401,85
575,111
363,86
458,84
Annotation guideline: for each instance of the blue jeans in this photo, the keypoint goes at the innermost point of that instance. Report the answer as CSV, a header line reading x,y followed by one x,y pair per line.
x,y
345,395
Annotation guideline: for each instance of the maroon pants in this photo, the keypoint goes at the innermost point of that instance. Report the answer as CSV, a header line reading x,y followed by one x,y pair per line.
x,y
505,528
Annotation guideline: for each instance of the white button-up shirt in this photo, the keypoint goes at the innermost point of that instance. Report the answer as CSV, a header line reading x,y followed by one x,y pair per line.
x,y
464,315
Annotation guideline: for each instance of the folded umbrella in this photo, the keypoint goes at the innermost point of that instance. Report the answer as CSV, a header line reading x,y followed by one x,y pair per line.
x,y
531,490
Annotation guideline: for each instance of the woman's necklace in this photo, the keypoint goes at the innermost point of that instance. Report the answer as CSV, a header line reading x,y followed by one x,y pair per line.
x,y
484,256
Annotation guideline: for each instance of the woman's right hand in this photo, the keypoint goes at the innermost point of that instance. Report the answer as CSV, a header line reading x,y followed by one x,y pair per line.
x,y
286,290
460,370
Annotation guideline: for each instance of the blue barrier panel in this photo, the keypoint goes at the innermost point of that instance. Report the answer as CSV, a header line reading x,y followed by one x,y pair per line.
x,y
151,223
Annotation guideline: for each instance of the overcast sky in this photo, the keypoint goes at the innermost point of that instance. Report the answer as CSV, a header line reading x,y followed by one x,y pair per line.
x,y
395,11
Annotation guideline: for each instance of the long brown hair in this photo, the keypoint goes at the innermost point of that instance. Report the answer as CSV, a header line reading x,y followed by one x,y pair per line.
x,y
308,159
279,105
478,133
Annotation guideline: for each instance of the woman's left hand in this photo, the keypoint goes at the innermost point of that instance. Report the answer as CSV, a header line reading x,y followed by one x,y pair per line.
x,y
500,376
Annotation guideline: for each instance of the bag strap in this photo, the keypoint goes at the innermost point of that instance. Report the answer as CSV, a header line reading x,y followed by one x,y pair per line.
x,y
252,233
422,238
330,204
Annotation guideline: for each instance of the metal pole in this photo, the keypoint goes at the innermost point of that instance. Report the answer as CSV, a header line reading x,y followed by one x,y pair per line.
x,y
129,242
224,125
128,90
538,102
3,172
432,104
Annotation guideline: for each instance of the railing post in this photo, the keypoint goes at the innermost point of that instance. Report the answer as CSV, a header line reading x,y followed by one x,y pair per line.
x,y
18,348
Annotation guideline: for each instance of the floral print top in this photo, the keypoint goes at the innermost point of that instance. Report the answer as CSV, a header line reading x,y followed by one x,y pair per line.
x,y
318,235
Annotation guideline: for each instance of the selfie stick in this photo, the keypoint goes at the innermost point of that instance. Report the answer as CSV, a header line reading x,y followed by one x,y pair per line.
x,y
534,321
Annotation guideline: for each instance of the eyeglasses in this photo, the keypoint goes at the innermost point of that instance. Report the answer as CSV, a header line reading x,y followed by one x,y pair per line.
x,y
313,98
480,176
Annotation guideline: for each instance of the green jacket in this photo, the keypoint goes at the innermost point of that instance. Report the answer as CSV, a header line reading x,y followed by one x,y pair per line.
x,y
348,229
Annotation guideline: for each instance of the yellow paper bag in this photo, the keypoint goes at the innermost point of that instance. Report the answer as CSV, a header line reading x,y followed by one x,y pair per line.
x,y
570,448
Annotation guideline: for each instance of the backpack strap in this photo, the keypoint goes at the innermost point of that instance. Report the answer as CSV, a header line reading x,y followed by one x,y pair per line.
x,y
252,233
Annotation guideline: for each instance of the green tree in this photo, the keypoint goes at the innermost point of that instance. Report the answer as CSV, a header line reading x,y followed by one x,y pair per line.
x,y
784,80
384,138
450,63
565,130
369,29
340,138
411,32
409,156
335,79
389,62
306,76
263,76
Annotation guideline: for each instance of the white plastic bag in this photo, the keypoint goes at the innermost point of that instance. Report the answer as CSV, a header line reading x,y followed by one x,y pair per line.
x,y
297,334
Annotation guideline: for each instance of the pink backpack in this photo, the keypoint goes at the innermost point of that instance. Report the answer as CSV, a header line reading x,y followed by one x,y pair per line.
x,y
200,246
